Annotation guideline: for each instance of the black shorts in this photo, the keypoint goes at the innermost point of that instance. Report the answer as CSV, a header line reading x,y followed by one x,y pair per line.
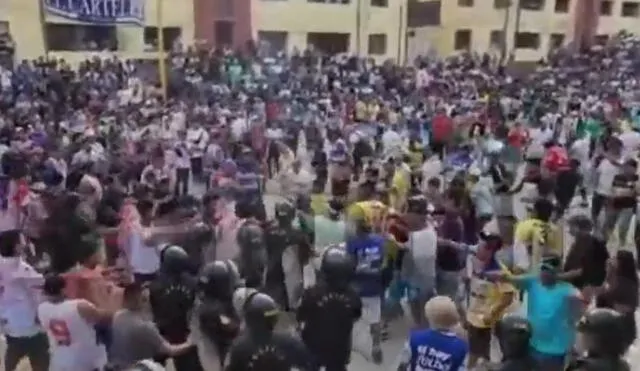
x,y
479,341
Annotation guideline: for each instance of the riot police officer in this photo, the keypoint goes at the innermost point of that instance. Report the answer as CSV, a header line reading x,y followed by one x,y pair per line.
x,y
605,347
217,320
171,297
252,259
260,348
513,333
287,251
329,309
146,365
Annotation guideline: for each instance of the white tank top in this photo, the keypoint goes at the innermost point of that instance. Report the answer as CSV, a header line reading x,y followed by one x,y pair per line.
x,y
72,340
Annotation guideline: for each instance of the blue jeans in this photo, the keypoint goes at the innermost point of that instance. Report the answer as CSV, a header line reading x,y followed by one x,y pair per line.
x,y
549,362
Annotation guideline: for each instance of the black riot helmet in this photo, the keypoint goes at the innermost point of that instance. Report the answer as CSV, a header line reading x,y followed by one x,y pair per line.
x,y
514,333
219,279
601,328
146,365
250,235
284,213
261,314
337,267
174,260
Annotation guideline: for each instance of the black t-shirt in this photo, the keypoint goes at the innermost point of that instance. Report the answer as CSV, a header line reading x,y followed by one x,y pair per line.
x,y
328,318
589,254
624,191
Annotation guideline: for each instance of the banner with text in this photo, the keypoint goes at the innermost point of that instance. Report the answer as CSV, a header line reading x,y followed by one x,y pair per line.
x,y
98,11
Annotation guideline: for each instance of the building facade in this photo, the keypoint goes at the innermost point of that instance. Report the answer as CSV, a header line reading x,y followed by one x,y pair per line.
x,y
376,28
524,29
367,27
38,31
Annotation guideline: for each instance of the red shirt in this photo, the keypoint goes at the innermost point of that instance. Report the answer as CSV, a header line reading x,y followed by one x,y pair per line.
x,y
556,159
517,138
442,128
272,111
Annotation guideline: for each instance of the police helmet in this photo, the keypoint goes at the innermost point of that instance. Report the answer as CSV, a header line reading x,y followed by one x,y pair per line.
x,y
337,266
174,259
284,211
261,313
219,279
250,234
146,365
602,328
514,333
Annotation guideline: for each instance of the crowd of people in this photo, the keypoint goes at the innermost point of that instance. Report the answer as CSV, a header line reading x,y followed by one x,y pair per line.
x,y
134,226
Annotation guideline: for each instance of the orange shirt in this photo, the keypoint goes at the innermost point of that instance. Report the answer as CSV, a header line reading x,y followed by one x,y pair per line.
x,y
94,286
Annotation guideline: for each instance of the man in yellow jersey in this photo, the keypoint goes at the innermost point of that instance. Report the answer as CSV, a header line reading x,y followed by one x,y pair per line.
x,y
535,237
489,298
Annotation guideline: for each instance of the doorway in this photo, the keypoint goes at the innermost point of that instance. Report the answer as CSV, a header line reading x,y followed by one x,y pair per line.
x,y
223,33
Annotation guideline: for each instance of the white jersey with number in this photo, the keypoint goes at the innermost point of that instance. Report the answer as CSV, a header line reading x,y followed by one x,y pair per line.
x,y
72,340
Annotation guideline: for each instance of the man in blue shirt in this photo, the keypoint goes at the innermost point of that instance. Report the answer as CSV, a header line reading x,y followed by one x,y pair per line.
x,y
440,347
553,308
368,251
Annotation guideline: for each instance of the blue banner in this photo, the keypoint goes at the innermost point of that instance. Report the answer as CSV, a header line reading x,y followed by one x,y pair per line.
x,y
98,11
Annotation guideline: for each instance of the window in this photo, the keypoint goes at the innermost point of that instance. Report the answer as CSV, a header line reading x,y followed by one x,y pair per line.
x,y
465,3
380,3
601,39
170,35
556,40
275,40
562,6
532,4
527,40
224,8
329,42
606,7
378,44
501,4
630,9
7,46
462,40
496,38
76,37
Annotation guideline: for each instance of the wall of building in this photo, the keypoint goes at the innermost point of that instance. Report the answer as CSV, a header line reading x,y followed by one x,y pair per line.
x,y
207,12
30,41
298,18
483,18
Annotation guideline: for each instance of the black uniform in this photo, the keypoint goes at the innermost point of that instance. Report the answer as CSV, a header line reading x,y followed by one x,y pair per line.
x,y
253,253
513,334
172,296
605,347
217,318
260,348
279,236
328,311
